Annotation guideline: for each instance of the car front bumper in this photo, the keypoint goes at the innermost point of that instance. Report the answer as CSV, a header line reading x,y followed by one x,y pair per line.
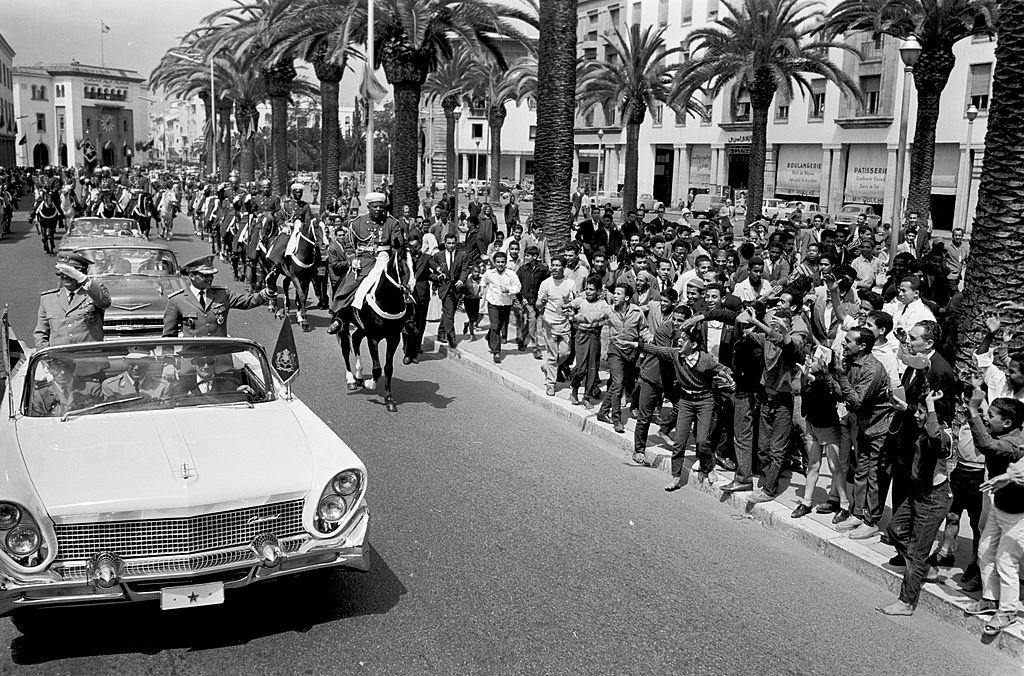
x,y
347,549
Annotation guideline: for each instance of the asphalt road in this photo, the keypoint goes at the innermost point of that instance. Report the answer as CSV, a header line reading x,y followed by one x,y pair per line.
x,y
505,542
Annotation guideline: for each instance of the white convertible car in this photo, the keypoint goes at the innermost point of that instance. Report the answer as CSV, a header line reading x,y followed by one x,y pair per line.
x,y
169,470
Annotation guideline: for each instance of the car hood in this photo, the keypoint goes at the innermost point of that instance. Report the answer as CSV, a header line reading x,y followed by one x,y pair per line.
x,y
179,461
140,294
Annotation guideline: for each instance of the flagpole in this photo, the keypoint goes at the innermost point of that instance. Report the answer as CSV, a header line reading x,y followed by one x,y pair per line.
x,y
103,58
369,97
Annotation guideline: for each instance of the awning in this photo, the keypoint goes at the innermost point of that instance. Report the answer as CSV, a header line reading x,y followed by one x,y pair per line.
x,y
946,168
798,170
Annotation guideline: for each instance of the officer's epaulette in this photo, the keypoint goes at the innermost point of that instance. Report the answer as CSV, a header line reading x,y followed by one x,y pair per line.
x,y
49,291
217,288
172,295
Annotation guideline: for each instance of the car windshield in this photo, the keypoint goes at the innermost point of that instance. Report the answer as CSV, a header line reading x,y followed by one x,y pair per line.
x,y
98,227
148,261
852,210
794,205
151,375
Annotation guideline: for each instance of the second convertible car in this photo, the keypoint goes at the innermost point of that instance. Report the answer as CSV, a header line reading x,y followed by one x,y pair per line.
x,y
166,470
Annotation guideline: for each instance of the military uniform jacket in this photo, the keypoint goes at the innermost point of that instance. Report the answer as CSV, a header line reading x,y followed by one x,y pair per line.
x,y
365,237
184,315
290,210
61,322
269,203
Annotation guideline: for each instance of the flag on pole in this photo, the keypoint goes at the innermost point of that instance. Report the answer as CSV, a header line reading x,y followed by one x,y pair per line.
x,y
370,88
104,27
285,359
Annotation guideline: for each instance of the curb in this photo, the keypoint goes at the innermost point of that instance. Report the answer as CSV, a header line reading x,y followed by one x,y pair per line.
x,y
946,602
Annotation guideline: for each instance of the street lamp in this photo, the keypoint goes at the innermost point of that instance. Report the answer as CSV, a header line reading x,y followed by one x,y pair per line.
x,y
600,159
213,103
163,134
389,160
910,49
972,115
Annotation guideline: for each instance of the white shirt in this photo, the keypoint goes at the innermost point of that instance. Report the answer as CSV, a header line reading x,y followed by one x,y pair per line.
x,y
680,285
997,382
906,316
714,338
199,298
745,290
886,354
500,287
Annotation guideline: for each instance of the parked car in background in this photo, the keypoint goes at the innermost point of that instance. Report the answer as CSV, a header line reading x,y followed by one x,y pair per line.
x,y
648,202
849,213
809,210
172,493
706,205
772,207
606,198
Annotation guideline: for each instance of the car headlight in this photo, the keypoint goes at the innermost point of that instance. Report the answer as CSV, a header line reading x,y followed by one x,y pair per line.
x,y
346,483
331,508
10,515
23,540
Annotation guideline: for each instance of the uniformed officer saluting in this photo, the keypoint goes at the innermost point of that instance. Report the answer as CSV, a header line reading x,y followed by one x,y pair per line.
x,y
73,312
201,309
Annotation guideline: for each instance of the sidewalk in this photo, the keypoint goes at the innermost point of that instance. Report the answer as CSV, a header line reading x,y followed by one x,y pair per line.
x,y
520,372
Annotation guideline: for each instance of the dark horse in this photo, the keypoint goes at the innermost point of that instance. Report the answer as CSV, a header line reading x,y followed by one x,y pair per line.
x,y
141,210
383,315
295,256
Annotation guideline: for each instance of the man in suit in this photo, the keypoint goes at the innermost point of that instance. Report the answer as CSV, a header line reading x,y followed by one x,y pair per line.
x,y
66,392
201,309
205,380
137,378
449,271
73,312
412,337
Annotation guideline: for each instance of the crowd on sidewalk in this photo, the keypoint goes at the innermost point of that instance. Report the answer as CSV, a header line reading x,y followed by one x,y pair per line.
x,y
781,346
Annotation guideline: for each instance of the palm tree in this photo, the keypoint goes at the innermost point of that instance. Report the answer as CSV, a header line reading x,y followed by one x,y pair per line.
x,y
244,27
498,86
294,30
995,268
761,47
556,107
449,83
635,81
186,78
411,38
938,25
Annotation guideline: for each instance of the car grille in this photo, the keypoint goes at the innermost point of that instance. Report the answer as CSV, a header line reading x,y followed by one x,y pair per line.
x,y
191,535
179,565
119,323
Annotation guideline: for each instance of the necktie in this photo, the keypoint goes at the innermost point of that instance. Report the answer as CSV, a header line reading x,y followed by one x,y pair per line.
x,y
202,300
71,296
449,261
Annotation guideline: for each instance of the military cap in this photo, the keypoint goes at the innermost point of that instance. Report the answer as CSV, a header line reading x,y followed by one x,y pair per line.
x,y
202,265
297,186
75,260
372,197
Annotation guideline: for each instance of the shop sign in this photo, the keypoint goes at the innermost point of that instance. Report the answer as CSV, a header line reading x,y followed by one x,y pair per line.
x,y
798,170
866,174
700,165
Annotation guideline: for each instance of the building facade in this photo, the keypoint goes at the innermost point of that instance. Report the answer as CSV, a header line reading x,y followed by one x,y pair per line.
x,y
75,114
823,146
8,117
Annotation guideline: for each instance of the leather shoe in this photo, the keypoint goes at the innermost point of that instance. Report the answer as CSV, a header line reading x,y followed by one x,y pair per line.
x,y
406,359
334,327
619,427
537,354
574,399
841,516
830,507
738,486
550,391
898,561
603,417
725,463
675,485
800,511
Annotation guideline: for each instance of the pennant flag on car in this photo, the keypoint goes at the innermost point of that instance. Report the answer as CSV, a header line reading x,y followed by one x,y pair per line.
x,y
285,359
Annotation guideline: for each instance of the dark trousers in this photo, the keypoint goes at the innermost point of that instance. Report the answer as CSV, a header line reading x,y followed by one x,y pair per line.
x,y
320,286
497,316
913,528
648,403
449,302
746,415
722,432
588,359
694,412
776,423
868,499
897,454
620,376
472,306
415,326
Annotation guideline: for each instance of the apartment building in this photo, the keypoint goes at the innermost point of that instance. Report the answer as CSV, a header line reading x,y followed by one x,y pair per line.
x,y
8,118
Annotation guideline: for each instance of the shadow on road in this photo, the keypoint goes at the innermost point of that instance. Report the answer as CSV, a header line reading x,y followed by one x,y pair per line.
x,y
296,604
409,392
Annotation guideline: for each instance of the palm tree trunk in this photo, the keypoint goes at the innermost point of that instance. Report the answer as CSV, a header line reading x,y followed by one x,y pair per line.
x,y
224,141
330,139
210,130
556,104
247,119
496,120
758,147
449,103
630,180
279,142
404,146
995,268
931,73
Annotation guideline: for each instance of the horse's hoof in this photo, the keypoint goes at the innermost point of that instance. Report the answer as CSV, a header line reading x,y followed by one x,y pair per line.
x,y
281,314
391,406
352,387
306,327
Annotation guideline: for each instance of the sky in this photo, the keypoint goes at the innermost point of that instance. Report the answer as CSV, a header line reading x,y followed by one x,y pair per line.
x,y
57,31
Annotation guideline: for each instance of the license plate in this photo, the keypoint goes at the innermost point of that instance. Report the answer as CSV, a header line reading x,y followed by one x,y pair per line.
x,y
210,594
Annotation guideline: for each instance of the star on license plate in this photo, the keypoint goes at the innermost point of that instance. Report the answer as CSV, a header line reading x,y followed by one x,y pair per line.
x,y
192,596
